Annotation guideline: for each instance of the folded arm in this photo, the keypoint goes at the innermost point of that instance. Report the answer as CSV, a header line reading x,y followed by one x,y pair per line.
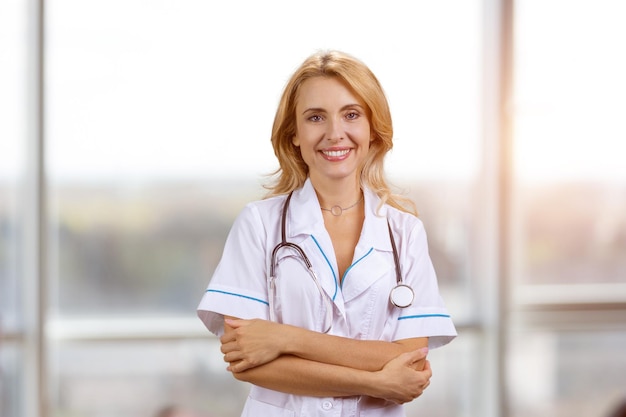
x,y
302,362
250,343
397,381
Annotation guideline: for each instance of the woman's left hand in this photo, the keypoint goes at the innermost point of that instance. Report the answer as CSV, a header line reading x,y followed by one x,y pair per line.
x,y
399,382
250,343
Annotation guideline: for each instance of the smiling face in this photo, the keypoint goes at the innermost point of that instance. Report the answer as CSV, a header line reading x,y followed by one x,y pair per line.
x,y
332,130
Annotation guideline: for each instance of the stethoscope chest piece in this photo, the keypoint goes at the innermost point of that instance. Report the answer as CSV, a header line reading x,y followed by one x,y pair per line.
x,y
401,296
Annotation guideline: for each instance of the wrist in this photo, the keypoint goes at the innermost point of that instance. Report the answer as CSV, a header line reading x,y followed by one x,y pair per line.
x,y
371,383
292,340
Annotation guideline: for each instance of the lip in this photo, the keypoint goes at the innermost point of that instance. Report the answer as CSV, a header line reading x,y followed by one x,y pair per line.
x,y
335,154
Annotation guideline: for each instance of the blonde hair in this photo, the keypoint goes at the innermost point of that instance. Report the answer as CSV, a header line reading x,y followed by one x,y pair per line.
x,y
293,171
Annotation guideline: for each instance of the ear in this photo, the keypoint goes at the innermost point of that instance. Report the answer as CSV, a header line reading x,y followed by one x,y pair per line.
x,y
295,140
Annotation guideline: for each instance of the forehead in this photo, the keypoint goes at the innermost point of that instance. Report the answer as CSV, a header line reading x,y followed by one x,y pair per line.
x,y
326,92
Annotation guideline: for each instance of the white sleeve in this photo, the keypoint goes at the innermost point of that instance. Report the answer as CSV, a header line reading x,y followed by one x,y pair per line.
x,y
427,316
238,286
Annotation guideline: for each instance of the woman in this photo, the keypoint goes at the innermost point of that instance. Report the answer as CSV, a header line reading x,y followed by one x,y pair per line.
x,y
329,340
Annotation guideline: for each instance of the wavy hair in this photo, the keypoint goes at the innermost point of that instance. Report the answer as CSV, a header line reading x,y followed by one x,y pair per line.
x,y
293,171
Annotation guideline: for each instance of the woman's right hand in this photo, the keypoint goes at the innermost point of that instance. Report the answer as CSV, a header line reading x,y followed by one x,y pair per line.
x,y
250,343
399,382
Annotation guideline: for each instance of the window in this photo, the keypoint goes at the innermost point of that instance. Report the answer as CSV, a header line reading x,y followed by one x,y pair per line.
x,y
569,234
568,127
148,111
13,234
147,106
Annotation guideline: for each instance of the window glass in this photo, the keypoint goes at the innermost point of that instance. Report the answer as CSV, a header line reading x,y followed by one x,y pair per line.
x,y
10,384
158,122
569,228
569,129
550,373
147,126
184,373
145,250
452,394
12,133
141,378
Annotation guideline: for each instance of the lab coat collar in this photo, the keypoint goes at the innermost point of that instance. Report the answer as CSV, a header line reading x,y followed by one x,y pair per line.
x,y
305,218
304,215
375,233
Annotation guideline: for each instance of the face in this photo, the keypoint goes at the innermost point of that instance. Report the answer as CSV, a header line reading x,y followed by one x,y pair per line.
x,y
332,129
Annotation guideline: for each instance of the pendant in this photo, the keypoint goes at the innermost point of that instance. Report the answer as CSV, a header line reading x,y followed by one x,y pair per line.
x,y
336,210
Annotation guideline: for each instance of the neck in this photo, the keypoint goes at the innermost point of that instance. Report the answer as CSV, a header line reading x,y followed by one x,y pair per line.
x,y
338,193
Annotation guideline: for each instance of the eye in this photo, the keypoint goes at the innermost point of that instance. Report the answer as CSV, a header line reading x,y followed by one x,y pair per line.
x,y
352,115
315,118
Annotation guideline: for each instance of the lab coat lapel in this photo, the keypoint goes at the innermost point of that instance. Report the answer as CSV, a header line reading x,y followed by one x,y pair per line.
x,y
370,263
305,220
371,257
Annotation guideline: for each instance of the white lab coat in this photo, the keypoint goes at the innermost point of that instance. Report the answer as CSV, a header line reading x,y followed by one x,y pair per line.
x,y
361,307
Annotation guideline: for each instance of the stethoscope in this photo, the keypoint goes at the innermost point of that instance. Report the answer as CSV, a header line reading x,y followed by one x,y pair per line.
x,y
401,295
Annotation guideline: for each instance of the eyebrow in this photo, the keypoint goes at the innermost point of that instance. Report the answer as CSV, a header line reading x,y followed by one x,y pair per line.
x,y
319,109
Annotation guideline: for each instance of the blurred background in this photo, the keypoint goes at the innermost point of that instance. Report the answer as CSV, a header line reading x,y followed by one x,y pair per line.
x,y
133,131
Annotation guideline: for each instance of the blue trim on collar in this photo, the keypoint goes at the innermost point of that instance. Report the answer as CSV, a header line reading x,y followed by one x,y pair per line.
x,y
329,265
345,274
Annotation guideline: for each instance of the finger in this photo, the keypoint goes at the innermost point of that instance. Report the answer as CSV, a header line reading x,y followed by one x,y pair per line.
x,y
422,389
428,369
238,366
228,337
415,355
231,367
228,347
234,323
233,357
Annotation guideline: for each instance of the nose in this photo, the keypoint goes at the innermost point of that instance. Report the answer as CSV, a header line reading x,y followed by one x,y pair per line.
x,y
334,130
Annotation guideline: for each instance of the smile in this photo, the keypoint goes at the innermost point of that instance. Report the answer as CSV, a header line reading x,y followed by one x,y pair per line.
x,y
336,154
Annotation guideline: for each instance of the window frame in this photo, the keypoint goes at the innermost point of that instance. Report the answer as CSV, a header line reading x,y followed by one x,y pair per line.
x,y
506,304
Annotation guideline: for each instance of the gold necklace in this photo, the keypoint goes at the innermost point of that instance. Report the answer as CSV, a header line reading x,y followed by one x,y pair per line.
x,y
337,210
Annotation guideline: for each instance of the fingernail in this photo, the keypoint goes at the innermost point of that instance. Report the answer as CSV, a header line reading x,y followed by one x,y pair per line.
x,y
424,350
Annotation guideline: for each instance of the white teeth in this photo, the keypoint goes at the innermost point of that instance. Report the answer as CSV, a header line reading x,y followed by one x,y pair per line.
x,y
335,154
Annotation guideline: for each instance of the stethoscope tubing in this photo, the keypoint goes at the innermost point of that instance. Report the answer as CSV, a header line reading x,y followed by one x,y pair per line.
x,y
401,295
